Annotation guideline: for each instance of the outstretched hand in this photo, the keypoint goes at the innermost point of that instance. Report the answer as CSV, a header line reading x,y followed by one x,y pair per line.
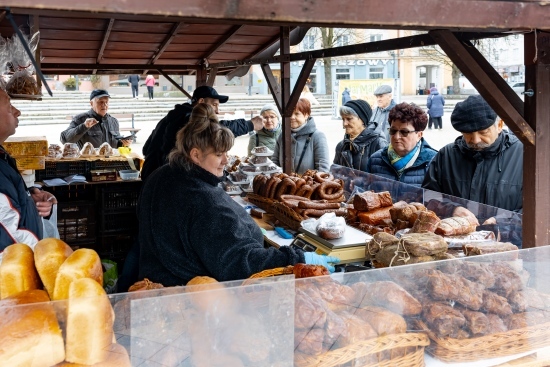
x,y
258,122
44,201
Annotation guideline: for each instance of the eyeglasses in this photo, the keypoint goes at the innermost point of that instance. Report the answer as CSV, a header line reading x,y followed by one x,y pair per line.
x,y
404,133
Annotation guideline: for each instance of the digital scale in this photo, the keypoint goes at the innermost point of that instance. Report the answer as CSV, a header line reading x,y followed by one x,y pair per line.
x,y
349,249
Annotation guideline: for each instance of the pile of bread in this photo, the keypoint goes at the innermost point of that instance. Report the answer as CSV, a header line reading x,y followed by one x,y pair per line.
x,y
74,332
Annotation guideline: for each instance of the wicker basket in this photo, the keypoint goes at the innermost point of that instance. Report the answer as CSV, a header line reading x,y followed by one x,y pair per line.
x,y
287,216
414,342
261,202
489,346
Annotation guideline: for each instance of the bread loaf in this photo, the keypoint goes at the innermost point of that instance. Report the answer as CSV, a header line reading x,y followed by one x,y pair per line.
x,y
393,297
384,322
83,263
17,270
89,322
117,356
211,295
29,335
49,254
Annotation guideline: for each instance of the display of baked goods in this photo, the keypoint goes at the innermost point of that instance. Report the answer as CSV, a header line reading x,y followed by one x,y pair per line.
x,y
270,168
70,150
238,177
55,151
88,149
249,169
22,83
105,149
17,271
231,188
330,227
260,161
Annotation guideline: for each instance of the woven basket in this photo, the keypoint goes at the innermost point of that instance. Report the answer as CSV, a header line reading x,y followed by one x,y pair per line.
x,y
414,342
261,202
489,346
287,216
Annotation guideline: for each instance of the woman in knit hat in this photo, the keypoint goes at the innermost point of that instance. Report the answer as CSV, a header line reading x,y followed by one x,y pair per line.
x,y
359,142
408,156
269,134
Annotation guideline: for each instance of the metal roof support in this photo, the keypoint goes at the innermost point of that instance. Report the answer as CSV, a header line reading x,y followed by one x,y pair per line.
x,y
273,85
536,158
285,97
104,42
488,82
174,83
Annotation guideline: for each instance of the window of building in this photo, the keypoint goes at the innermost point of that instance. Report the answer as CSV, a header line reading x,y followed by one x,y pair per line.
x,y
342,74
308,43
376,72
375,37
342,40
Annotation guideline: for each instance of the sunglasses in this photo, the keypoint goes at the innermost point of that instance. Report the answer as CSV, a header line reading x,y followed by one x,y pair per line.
x,y
404,133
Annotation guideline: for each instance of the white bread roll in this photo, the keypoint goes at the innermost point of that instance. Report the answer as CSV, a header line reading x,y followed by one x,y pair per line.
x,y
118,357
29,334
90,320
49,254
17,271
83,263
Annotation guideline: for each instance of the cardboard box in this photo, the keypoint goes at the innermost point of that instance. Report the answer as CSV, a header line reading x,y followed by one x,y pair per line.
x,y
26,146
24,163
98,175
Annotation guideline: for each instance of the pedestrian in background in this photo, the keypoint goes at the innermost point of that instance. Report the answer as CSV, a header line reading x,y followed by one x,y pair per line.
x,y
435,105
134,83
345,96
384,103
150,83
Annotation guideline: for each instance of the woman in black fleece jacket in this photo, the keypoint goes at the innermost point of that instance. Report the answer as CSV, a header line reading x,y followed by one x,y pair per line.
x,y
188,226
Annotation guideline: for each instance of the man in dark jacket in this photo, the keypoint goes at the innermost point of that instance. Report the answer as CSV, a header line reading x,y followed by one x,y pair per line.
x,y
134,83
384,101
163,138
484,165
21,209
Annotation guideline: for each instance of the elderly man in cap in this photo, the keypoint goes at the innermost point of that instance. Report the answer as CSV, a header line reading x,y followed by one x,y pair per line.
x,y
379,120
484,165
163,138
95,126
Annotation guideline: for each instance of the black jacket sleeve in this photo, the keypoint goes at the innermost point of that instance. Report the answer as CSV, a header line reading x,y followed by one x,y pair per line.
x,y
239,126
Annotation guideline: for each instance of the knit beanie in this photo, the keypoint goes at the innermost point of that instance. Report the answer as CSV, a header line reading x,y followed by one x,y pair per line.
x,y
271,107
362,108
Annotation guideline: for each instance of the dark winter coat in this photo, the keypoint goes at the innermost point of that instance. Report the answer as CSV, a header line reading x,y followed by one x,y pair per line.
x,y
379,120
435,104
379,164
190,227
133,79
356,154
493,176
106,131
163,138
316,155
19,219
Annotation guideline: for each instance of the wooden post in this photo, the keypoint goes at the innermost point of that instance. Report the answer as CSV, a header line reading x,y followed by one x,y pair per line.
x,y
285,97
536,159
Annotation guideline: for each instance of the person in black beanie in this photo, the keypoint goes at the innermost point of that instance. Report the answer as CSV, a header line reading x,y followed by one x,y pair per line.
x,y
359,141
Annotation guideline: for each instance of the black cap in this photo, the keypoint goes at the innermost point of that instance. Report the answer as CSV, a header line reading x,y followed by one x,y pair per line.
x,y
98,93
473,114
205,91
361,108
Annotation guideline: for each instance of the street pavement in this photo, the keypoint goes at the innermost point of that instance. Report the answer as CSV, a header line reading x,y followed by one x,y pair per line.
x,y
332,128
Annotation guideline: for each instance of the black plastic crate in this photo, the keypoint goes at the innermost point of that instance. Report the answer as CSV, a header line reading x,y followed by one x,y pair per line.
x,y
115,247
72,192
117,165
125,223
76,222
120,198
61,169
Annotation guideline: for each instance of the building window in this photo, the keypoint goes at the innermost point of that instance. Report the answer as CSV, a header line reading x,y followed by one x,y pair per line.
x,y
376,72
342,74
375,37
308,43
342,40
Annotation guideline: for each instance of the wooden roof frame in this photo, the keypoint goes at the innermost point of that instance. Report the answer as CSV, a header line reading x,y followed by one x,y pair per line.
x,y
446,21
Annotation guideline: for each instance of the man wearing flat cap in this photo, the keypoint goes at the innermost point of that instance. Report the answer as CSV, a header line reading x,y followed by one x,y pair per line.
x,y
163,138
384,102
484,165
95,126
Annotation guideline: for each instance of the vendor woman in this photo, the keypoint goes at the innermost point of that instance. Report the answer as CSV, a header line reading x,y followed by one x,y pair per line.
x,y
190,227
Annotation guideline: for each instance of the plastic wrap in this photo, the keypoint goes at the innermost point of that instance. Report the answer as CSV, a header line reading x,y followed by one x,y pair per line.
x,y
16,63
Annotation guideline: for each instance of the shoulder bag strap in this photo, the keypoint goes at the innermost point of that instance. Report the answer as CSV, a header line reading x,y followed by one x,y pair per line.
x,y
303,152
257,139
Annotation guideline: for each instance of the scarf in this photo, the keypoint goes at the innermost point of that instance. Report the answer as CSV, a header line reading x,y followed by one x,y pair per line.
x,y
401,163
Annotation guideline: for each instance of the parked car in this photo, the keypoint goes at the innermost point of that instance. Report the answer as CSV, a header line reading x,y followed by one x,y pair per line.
x,y
119,83
518,87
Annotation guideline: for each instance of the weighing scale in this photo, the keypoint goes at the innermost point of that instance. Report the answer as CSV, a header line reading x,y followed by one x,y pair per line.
x,y
349,249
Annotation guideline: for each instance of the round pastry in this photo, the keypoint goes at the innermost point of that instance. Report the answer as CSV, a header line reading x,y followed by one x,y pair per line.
x,y
70,150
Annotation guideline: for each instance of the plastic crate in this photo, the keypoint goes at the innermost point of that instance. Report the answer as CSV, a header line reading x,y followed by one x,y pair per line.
x,y
117,165
119,223
122,198
115,247
76,222
60,169
72,192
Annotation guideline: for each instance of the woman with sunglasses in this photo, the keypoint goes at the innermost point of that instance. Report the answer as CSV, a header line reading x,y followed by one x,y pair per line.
x,y
408,156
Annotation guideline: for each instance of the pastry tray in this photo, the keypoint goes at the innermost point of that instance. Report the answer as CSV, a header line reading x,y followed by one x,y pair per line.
x,y
267,163
269,153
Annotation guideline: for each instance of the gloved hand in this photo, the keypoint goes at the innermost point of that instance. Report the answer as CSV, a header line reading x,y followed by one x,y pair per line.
x,y
313,259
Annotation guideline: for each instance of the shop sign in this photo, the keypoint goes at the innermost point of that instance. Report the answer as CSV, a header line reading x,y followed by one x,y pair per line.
x,y
350,62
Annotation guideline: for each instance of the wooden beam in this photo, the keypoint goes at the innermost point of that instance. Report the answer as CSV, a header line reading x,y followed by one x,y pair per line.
x,y
166,42
174,83
104,42
536,159
201,76
34,28
221,42
299,86
69,66
211,77
273,84
2,15
485,79
285,97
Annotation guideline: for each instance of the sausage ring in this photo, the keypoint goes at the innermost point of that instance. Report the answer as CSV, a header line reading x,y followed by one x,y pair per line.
x,y
323,176
273,187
